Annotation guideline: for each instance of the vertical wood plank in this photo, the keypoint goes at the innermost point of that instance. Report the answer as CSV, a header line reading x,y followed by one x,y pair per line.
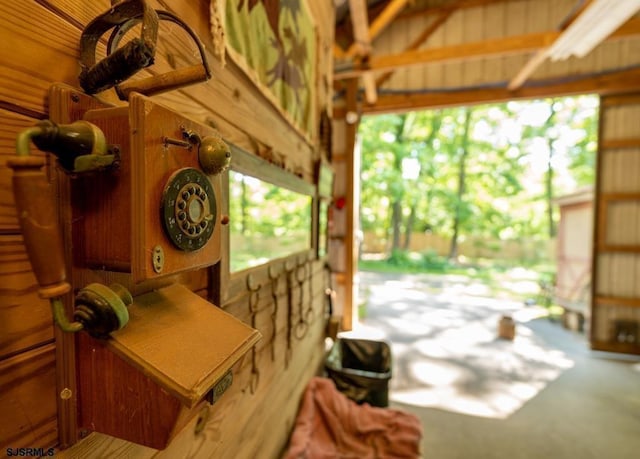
x,y
28,400
11,124
25,319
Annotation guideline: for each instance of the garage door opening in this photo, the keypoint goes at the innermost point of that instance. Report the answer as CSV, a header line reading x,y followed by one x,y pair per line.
x,y
475,191
461,225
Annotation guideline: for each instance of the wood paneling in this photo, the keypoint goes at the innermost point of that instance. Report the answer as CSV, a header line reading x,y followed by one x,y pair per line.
x,y
28,400
33,55
40,47
10,125
25,319
48,55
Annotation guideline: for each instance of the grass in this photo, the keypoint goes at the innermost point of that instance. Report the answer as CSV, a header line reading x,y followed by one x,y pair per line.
x,y
504,278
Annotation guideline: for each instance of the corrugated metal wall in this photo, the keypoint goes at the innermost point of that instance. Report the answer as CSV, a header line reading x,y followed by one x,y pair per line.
x,y
489,22
616,302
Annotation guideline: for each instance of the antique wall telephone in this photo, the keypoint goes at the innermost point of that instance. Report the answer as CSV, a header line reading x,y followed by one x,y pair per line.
x,y
95,147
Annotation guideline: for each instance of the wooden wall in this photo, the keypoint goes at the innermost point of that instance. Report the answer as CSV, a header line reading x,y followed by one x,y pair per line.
x,y
40,47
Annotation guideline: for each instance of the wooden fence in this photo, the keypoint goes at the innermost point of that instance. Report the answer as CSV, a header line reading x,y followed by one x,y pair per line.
x,y
470,247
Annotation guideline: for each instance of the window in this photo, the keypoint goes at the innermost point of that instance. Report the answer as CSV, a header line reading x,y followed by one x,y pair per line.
x,y
266,221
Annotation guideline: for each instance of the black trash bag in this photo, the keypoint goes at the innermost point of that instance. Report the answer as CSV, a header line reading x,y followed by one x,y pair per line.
x,y
361,369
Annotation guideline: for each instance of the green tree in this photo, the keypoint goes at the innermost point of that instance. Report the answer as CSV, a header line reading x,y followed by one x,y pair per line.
x,y
491,171
463,154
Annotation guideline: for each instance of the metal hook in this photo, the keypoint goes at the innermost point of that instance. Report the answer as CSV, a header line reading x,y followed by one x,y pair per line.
x,y
274,276
252,286
290,265
255,379
301,274
254,299
301,329
274,273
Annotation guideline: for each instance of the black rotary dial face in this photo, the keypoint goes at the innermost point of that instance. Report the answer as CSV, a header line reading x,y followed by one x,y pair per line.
x,y
188,209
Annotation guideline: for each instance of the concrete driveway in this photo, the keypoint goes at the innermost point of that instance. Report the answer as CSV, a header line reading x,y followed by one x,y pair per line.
x,y
544,394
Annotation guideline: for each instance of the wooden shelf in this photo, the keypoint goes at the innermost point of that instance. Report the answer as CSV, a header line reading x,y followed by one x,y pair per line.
x,y
617,301
620,196
602,247
624,348
613,144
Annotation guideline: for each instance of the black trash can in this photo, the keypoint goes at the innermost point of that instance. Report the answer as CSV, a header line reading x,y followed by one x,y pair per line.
x,y
361,369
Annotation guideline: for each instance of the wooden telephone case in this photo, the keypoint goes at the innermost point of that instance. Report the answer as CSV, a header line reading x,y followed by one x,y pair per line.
x,y
117,217
147,381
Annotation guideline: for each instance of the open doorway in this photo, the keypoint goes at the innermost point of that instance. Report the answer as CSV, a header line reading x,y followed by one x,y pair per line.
x,y
476,192
464,233
461,224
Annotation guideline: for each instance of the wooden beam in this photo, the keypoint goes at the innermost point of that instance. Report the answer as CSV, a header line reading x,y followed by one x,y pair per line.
x,y
622,99
360,19
474,50
381,22
618,301
618,144
464,4
464,51
612,83
384,19
338,52
360,23
370,91
420,39
527,70
540,56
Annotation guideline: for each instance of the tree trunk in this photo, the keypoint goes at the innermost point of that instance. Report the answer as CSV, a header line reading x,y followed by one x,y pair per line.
x,y
464,153
436,122
396,223
409,225
244,204
549,175
549,192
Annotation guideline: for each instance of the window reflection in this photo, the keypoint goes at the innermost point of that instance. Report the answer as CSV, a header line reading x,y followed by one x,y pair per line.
x,y
266,221
324,230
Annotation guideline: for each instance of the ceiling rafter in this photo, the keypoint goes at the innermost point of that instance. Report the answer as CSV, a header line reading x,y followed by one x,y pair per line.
x,y
612,83
474,50
464,51
362,42
541,55
463,4
423,37
380,23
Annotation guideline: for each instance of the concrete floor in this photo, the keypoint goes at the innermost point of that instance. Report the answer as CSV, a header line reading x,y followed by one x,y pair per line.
x,y
543,395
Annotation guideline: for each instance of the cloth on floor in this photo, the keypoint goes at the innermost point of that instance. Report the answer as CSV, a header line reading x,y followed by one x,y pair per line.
x,y
329,425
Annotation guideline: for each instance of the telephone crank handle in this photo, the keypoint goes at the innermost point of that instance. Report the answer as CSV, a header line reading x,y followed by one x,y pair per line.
x,y
165,82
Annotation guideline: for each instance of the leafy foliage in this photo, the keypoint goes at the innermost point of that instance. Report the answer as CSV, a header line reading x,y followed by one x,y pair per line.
x,y
420,170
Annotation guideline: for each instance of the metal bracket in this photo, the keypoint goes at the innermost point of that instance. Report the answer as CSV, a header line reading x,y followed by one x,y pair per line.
x,y
220,388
